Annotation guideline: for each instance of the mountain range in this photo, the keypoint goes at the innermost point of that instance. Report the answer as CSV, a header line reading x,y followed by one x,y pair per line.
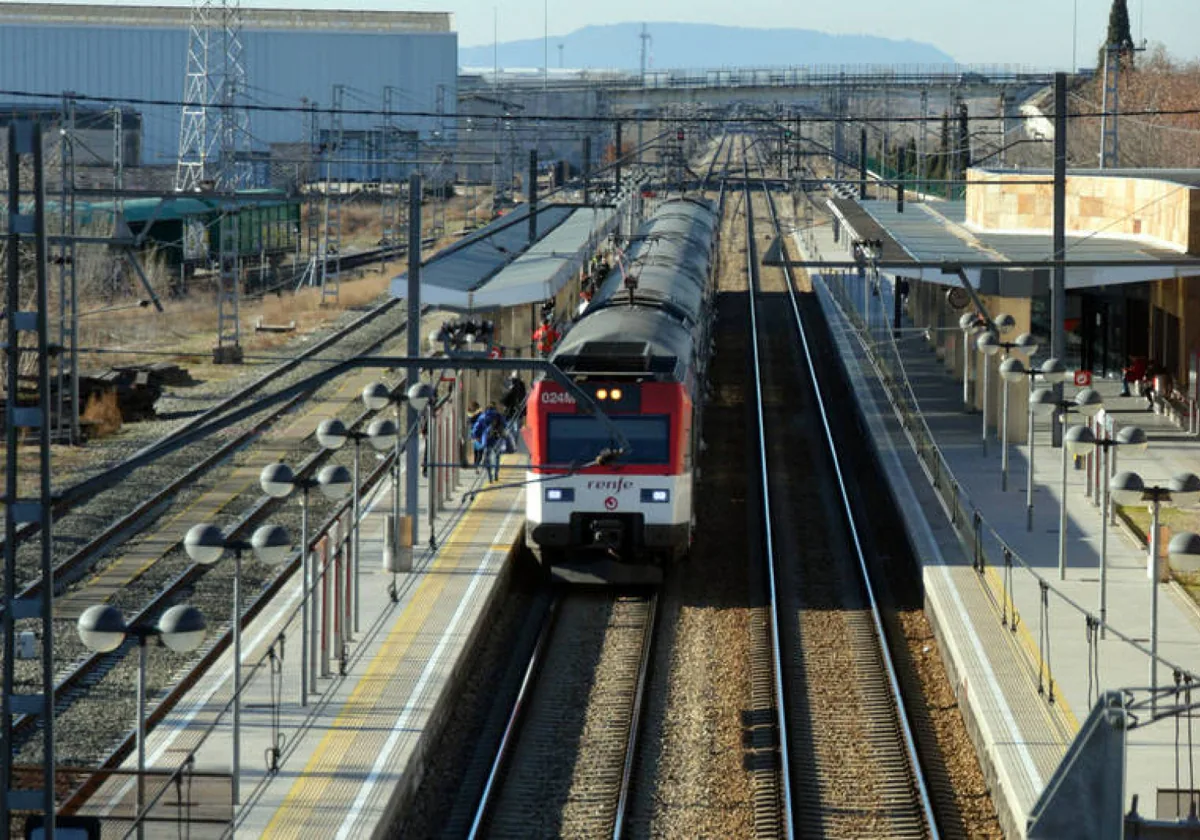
x,y
697,45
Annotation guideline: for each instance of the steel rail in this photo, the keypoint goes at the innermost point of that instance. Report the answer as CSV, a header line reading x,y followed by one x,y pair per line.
x,y
254,514
712,164
785,782
918,776
635,718
487,798
69,568
90,486
519,717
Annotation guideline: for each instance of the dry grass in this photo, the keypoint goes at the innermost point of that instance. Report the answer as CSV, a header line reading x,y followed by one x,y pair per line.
x,y
186,331
362,225
103,414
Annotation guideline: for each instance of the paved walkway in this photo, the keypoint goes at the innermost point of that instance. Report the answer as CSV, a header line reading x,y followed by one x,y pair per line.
x,y
1079,665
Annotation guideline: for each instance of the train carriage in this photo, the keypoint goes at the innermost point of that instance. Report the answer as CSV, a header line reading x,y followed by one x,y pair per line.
x,y
640,352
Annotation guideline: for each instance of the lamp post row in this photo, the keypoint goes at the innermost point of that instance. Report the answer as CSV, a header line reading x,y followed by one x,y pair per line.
x,y
1125,488
278,481
102,628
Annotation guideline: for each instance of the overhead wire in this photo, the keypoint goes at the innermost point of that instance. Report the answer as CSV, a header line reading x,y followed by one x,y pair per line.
x,y
563,118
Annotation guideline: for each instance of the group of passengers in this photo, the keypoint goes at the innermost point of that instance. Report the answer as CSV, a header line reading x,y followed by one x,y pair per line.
x,y
1152,379
492,427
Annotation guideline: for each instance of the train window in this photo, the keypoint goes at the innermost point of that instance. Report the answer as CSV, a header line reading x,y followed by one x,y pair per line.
x,y
575,438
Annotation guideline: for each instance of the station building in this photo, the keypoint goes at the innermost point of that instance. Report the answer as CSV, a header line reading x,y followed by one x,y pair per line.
x,y
1145,224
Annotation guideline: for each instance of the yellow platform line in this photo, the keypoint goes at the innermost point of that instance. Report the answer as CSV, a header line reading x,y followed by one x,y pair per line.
x,y
307,794
1030,648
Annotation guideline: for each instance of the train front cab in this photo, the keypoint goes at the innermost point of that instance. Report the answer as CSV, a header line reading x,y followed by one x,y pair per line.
x,y
619,523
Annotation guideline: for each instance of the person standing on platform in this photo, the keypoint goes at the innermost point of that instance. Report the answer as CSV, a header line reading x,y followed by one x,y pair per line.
x,y
545,337
488,434
473,412
513,399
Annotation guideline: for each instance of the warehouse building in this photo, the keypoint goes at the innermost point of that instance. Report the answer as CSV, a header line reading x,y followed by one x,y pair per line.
x,y
293,59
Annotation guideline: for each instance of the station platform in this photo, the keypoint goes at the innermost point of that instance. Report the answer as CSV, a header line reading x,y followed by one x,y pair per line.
x,y
347,759
1026,663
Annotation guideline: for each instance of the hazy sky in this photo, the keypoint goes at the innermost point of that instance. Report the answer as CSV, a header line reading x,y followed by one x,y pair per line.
x,y
1034,32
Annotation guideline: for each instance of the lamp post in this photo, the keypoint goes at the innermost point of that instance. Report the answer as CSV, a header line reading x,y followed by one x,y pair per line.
x,y
1077,439
278,481
205,544
333,434
1012,370
970,323
1051,371
1182,490
1087,402
103,629
989,344
376,397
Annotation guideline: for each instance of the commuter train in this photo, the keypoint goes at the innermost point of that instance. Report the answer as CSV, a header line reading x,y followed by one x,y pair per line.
x,y
640,351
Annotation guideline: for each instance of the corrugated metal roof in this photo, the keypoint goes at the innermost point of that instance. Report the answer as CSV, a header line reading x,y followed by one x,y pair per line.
x,y
448,277
865,227
937,233
143,209
172,17
543,270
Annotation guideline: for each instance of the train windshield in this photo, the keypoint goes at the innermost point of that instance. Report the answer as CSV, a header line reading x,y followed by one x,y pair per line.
x,y
579,438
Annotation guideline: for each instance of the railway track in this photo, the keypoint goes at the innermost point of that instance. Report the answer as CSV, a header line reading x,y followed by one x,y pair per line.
x,y
67,499
87,488
848,760
206,587
565,764
198,459
145,592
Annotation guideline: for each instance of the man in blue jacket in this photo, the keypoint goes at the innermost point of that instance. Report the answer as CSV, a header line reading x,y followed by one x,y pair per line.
x,y
488,435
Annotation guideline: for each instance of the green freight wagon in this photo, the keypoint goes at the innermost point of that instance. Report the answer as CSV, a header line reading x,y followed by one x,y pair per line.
x,y
185,230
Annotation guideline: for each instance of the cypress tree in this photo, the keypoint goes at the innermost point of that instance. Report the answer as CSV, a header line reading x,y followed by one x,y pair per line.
x,y
1119,34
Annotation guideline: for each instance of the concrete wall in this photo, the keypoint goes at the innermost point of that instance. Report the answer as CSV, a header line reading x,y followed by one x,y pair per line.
x,y
1162,212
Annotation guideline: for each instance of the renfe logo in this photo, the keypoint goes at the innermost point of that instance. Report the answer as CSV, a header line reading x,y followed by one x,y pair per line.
x,y
614,484
557,398
610,503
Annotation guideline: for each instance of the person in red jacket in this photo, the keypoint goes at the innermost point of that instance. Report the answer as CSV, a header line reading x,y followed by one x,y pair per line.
x,y
545,337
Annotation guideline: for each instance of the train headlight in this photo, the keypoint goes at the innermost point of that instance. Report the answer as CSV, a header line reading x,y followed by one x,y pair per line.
x,y
602,394
656,496
615,393
560,494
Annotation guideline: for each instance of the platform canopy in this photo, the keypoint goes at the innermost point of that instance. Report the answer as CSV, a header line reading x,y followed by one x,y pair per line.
x,y
498,267
937,232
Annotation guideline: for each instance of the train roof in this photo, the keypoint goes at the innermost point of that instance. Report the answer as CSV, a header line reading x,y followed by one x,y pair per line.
x,y
669,260
629,341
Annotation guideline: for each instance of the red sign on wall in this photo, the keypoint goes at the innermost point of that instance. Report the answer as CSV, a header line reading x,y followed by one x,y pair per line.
x,y
1083,378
